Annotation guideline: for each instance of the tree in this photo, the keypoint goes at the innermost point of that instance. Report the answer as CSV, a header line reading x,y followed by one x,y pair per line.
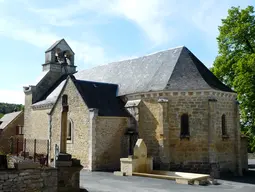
x,y
235,63
8,108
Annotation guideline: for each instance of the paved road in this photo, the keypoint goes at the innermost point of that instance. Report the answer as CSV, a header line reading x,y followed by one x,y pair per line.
x,y
107,182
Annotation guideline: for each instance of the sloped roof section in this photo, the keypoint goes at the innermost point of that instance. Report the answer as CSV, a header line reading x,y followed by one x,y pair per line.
x,y
143,74
208,76
191,74
174,69
8,118
103,97
53,45
61,41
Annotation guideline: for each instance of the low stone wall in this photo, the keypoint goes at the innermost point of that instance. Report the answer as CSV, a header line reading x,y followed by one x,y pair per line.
x,y
44,179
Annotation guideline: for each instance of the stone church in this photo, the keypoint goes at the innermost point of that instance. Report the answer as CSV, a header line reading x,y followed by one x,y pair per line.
x,y
188,119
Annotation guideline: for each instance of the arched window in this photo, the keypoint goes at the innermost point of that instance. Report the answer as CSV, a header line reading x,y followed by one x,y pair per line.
x,y
69,130
223,124
64,100
185,125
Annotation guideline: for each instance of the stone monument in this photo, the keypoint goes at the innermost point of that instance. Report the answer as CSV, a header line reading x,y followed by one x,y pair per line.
x,y
139,162
68,168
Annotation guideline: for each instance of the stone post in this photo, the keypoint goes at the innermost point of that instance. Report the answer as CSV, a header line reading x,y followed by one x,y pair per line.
x,y
63,128
212,153
238,140
68,168
92,138
164,135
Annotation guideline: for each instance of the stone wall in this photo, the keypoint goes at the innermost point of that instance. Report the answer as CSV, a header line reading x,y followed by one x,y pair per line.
x,y
225,147
189,153
110,142
159,126
79,115
37,125
29,180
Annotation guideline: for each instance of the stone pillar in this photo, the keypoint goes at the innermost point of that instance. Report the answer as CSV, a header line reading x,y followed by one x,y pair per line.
x,y
212,153
238,140
69,178
63,129
92,138
164,151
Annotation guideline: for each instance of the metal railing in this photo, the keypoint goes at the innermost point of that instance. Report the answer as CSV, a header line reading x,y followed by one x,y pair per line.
x,y
33,149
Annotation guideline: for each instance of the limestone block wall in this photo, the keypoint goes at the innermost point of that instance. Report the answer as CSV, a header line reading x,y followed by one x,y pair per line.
x,y
110,142
181,151
195,148
159,126
149,126
79,115
29,180
37,125
226,147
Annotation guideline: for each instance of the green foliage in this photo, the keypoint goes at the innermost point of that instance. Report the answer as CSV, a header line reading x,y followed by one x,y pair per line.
x,y
8,108
1,115
235,63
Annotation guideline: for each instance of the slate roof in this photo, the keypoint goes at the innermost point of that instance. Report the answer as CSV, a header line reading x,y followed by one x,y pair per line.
x,y
8,118
176,69
102,96
56,43
53,45
143,74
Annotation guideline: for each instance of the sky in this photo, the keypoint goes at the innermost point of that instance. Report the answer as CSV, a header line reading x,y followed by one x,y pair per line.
x,y
102,31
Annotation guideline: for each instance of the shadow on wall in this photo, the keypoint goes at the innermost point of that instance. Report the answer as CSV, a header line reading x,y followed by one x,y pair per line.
x,y
147,130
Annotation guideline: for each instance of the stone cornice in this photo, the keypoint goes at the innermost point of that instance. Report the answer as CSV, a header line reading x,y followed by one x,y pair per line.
x,y
42,106
192,93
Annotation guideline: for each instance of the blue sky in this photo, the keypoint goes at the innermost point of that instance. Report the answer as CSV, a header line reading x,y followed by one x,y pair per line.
x,y
101,31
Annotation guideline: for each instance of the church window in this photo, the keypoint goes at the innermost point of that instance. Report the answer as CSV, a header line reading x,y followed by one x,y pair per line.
x,y
64,100
223,124
69,130
185,125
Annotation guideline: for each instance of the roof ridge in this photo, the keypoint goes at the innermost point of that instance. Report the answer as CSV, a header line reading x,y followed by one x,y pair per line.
x,y
54,45
137,57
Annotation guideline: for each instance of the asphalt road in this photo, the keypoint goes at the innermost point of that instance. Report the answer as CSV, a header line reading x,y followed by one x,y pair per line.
x,y
107,182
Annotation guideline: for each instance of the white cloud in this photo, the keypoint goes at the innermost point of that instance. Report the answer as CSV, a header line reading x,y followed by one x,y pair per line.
x,y
207,16
11,96
159,19
149,15
43,38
